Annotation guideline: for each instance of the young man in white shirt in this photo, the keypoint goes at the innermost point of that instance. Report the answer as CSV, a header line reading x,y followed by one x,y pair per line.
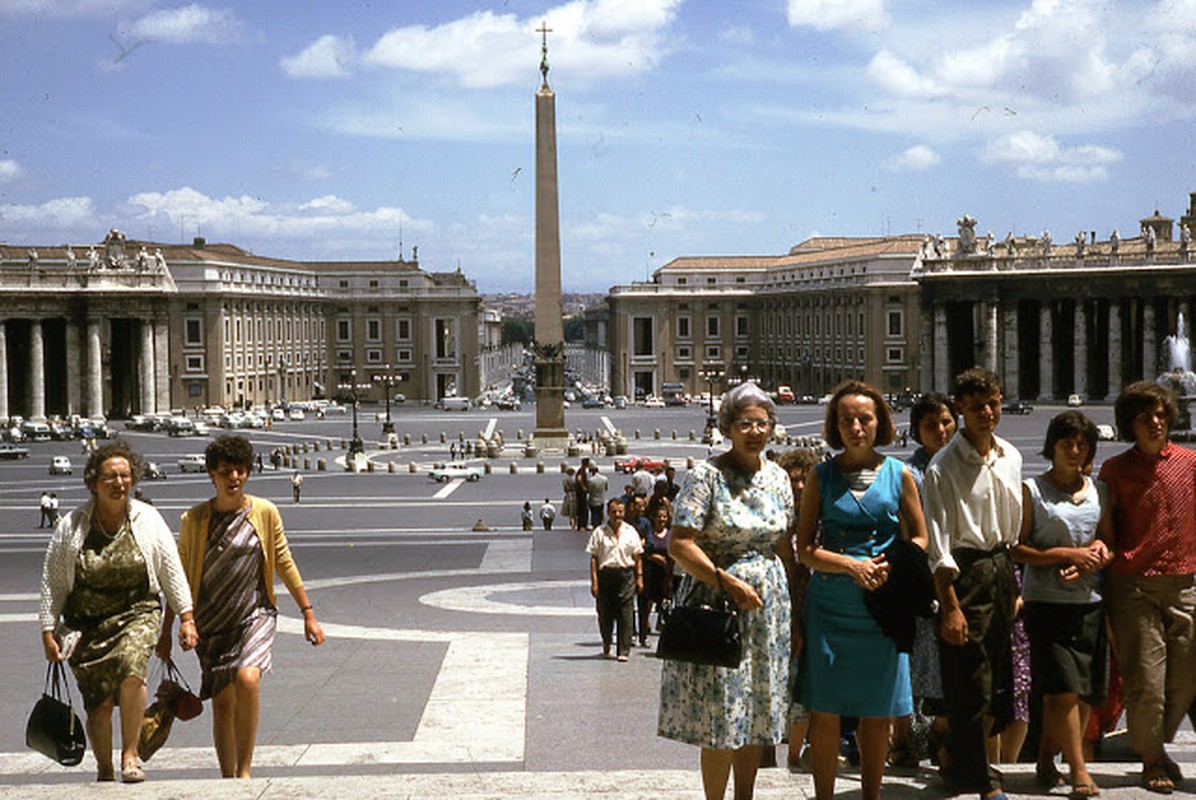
x,y
616,576
973,503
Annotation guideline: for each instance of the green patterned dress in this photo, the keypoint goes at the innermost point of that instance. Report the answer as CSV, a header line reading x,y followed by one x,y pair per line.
x,y
112,606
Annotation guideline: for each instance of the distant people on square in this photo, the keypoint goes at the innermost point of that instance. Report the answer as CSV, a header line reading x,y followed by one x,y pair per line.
x,y
730,534
569,499
105,568
582,490
658,569
47,517
297,486
972,497
596,485
547,514
1150,594
855,510
526,517
616,577
232,547
1065,543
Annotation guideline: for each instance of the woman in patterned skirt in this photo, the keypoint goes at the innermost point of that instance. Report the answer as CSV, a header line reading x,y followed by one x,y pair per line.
x,y
231,547
730,532
106,565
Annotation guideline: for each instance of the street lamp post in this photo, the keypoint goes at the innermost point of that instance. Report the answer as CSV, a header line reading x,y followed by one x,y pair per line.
x,y
356,446
710,375
387,380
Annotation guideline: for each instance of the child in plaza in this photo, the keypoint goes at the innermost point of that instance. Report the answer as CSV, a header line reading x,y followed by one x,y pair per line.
x,y
973,505
616,577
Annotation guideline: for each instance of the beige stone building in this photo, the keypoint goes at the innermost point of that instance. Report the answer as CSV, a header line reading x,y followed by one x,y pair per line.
x,y
123,327
829,310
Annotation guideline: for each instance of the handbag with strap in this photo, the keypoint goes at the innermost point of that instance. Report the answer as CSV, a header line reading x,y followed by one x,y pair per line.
x,y
702,634
174,699
54,729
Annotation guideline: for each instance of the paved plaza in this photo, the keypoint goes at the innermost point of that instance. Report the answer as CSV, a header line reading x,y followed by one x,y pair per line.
x,y
459,663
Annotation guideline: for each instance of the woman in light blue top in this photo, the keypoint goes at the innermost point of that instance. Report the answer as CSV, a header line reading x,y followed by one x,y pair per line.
x,y
1065,530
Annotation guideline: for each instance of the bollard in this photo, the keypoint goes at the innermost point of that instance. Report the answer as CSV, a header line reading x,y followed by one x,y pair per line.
x,y
487,467
514,468
674,434
460,436
443,437
412,468
637,433
321,465
692,435
519,434
369,466
423,437
656,433
539,467
390,467
406,439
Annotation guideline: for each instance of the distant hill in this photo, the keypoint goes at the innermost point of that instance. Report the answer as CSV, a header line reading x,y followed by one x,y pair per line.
x,y
510,304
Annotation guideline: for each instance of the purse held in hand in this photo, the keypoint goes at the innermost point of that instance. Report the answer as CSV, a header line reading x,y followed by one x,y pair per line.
x,y
54,729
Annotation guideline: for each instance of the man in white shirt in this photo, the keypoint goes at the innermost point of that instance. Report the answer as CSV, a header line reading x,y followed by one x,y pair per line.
x,y
973,503
616,576
547,514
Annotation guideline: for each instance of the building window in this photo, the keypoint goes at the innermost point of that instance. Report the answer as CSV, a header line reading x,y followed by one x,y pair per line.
x,y
403,283
344,355
195,363
643,340
194,389
741,353
404,356
714,352
683,328
682,281
895,355
373,329
373,284
373,356
684,353
193,332
741,325
711,327
446,338
344,284
896,325
344,330
710,281
740,279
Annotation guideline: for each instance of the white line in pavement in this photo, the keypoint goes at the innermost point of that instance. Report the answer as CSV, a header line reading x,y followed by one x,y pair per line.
x,y
448,488
481,599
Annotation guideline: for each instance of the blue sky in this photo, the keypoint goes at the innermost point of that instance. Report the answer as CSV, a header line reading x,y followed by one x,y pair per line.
x,y
686,127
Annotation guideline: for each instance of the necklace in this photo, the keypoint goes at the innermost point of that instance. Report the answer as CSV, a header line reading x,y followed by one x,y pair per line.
x,y
100,524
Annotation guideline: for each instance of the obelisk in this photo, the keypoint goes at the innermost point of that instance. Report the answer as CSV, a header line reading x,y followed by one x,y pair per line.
x,y
550,433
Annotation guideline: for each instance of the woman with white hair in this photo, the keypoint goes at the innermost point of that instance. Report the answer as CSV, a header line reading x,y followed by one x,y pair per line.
x,y
729,534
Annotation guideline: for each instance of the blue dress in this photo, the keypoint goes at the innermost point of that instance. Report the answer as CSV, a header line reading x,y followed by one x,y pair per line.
x,y
849,667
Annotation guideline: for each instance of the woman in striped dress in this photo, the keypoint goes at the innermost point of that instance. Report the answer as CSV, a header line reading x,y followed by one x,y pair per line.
x,y
231,547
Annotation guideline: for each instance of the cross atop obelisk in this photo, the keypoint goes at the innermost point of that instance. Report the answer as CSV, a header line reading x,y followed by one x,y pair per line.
x,y
550,434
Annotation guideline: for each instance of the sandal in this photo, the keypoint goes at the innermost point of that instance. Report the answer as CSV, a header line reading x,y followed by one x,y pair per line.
x,y
132,773
1082,790
1173,771
1048,776
1155,779
902,756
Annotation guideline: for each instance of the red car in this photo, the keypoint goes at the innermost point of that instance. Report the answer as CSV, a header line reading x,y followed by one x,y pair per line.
x,y
634,463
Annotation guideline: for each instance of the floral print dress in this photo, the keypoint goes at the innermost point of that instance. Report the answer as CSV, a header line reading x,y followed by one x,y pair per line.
x,y
739,517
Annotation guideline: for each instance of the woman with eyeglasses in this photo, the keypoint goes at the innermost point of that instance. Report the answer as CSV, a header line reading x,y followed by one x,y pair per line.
x,y
730,525
853,509
231,547
107,563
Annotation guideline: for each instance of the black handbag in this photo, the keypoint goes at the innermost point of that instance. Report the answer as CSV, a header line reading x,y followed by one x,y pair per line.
x,y
702,634
54,729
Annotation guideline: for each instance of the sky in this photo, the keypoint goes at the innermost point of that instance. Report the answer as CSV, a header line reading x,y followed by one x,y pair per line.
x,y
362,130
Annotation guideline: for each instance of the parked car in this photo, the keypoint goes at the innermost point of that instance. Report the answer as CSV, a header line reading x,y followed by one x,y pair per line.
x,y
179,426
399,398
296,415
508,403
11,452
61,431
202,428
60,465
1075,400
633,463
278,415
785,395
337,408
192,463
36,431
455,403
1105,433
652,401
620,402
1017,407
451,472
139,422
593,401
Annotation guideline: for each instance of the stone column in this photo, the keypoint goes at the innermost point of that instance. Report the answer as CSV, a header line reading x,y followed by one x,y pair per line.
x,y
145,369
942,380
1114,350
1046,369
37,372
1080,366
3,370
162,364
93,378
990,335
1185,312
926,351
74,372
1150,342
1011,378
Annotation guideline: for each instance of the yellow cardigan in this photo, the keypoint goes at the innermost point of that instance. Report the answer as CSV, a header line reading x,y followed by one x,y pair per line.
x,y
193,542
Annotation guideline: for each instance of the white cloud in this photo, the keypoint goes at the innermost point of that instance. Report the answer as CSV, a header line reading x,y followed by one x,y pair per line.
x,y
737,34
61,214
9,170
914,159
69,8
590,40
823,15
329,203
187,24
1042,158
327,57
898,77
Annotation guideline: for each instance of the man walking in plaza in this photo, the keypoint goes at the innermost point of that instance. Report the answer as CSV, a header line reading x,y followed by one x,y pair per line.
x,y
46,521
973,501
616,577
297,485
547,514
596,495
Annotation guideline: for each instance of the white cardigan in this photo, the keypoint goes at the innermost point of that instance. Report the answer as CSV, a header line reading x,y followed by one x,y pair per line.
x,y
151,534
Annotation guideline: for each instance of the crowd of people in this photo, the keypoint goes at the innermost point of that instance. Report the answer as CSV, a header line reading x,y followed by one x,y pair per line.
x,y
933,607
109,562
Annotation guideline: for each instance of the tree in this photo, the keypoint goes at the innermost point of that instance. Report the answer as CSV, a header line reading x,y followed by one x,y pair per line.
x,y
516,330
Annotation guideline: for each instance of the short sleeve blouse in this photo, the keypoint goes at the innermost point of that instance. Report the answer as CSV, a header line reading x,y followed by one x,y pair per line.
x,y
1061,521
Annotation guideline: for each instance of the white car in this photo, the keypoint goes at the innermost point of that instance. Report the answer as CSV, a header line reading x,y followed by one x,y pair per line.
x,y
652,401
452,472
60,465
1074,400
1105,433
193,463
278,415
296,415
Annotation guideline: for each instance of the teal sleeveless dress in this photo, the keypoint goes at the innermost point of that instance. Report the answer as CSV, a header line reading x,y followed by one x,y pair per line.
x,y
848,666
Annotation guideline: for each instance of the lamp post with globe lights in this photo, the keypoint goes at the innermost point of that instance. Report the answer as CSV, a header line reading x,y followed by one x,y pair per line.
x,y
710,374
356,446
387,381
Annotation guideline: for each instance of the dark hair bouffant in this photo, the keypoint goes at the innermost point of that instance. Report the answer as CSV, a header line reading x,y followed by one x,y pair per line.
x,y
1139,397
117,448
929,403
228,449
1065,426
886,431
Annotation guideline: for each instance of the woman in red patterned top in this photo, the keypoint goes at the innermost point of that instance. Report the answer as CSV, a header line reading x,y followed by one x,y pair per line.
x,y
1151,593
